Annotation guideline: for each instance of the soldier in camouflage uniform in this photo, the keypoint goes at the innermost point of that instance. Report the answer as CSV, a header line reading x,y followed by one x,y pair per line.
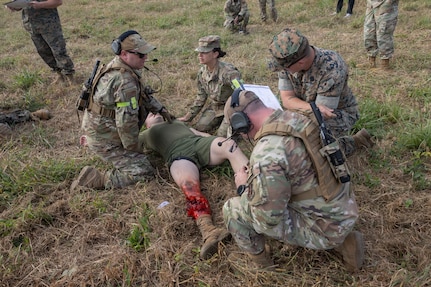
x,y
42,21
214,84
379,25
278,197
307,73
237,16
113,119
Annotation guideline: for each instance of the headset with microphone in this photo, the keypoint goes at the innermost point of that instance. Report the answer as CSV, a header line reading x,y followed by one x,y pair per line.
x,y
239,120
116,44
155,60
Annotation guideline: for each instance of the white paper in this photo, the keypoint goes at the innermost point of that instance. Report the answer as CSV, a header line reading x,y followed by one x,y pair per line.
x,y
265,94
18,4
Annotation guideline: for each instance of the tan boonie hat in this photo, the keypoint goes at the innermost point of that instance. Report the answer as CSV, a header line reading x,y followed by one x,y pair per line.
x,y
245,98
286,49
136,43
208,43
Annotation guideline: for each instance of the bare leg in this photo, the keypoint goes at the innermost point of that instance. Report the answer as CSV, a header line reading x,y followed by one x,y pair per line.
x,y
186,175
230,151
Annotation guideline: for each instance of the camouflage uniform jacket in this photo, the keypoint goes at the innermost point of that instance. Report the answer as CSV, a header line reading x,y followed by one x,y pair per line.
x,y
279,168
233,8
326,82
118,90
383,5
37,20
216,85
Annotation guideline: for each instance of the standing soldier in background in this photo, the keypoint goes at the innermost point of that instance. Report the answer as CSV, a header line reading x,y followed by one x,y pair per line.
x,y
117,109
42,21
349,12
272,9
214,82
237,16
380,21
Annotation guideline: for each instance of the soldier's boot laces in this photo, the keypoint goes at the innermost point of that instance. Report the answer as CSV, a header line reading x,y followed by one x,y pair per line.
x,y
363,139
211,236
352,251
89,177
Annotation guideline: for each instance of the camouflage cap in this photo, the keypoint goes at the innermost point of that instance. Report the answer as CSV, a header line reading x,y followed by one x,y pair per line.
x,y
287,48
208,43
136,43
245,98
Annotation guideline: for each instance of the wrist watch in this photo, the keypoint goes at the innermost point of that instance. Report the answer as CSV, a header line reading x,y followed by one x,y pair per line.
x,y
240,190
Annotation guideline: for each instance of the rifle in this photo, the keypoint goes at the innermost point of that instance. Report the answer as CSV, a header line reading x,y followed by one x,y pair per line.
x,y
146,96
336,157
83,99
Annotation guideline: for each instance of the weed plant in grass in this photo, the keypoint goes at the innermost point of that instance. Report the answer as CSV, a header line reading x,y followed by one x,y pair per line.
x,y
51,236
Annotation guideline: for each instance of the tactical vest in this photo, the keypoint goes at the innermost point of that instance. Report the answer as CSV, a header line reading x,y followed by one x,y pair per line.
x,y
96,108
328,184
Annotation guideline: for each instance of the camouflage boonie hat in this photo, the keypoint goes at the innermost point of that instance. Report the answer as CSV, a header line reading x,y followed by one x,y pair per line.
x,y
286,49
136,43
245,98
208,43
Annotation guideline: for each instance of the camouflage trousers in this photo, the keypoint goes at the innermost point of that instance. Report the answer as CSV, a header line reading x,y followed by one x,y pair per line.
x,y
340,127
129,167
241,25
14,117
312,223
272,9
379,32
51,46
209,122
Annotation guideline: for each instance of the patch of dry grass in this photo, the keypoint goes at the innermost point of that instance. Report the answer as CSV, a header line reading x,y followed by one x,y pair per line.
x,y
50,236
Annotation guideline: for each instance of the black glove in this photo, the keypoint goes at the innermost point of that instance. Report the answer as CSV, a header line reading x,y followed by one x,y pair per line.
x,y
166,115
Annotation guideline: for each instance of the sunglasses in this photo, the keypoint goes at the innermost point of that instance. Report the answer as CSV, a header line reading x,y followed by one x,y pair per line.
x,y
140,55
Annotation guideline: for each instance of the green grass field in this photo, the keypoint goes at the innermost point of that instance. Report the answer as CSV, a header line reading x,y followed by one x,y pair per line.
x,y
50,236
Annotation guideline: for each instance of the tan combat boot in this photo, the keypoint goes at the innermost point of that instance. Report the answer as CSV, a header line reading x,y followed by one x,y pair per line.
x,y
89,177
59,79
352,251
211,236
42,114
263,260
363,139
384,64
370,64
68,80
